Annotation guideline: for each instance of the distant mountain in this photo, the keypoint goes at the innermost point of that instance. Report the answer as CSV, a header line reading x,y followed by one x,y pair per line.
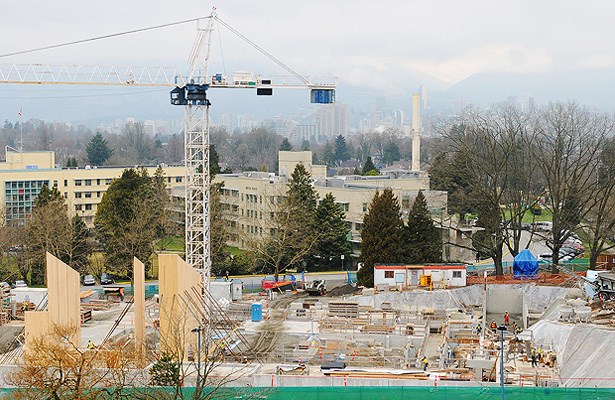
x,y
593,88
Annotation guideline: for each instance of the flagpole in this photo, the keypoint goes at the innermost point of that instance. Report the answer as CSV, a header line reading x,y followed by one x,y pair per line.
x,y
21,129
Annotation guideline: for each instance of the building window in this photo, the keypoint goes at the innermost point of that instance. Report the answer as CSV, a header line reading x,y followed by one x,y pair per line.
x,y
178,179
19,197
97,194
97,182
405,201
88,195
55,184
389,274
358,226
77,182
88,182
364,207
65,182
456,274
344,206
108,181
78,207
88,206
77,195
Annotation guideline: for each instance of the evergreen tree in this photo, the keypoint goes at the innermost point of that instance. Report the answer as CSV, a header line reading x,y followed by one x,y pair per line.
x,y
328,155
423,241
214,162
71,162
341,150
294,236
285,145
127,220
305,145
332,232
369,166
98,150
391,153
381,237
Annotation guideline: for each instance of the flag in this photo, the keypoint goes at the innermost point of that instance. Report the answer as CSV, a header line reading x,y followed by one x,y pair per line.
x,y
19,113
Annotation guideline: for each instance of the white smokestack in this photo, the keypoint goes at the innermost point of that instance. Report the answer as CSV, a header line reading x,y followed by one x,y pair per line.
x,y
416,132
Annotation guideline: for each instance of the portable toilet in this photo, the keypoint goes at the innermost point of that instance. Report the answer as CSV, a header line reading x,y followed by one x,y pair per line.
x,y
257,312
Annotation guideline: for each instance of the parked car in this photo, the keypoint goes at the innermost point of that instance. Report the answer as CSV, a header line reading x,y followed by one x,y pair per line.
x,y
105,279
89,280
20,284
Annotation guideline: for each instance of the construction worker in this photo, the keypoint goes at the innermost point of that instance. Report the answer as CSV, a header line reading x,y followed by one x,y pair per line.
x,y
24,307
425,362
493,326
506,318
533,358
91,345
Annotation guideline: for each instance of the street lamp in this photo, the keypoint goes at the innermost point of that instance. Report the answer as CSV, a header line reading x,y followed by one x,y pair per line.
x,y
502,328
198,354
348,273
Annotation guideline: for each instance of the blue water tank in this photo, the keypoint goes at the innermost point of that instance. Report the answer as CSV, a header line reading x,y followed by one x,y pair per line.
x,y
322,96
257,312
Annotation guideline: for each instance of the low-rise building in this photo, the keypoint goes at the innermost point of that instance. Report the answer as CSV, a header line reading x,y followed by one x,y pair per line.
x,y
249,200
23,174
438,276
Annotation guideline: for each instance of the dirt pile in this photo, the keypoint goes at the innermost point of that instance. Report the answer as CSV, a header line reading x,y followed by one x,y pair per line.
x,y
343,290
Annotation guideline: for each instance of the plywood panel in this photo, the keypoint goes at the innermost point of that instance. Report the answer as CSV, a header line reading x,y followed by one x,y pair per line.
x,y
36,326
63,296
139,305
178,307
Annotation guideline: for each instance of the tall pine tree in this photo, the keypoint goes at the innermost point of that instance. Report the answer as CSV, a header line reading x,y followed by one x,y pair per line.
x,y
369,167
98,150
332,233
341,150
423,241
381,237
293,236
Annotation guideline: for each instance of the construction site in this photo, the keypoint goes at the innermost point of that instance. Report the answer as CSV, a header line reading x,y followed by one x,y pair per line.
x,y
552,335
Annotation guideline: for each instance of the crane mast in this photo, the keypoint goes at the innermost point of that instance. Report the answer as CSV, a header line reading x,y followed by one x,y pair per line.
x,y
190,91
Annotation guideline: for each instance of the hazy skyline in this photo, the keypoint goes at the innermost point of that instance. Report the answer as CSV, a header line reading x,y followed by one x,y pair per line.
x,y
387,46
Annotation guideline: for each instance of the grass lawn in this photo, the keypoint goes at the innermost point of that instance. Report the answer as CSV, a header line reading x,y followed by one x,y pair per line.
x,y
544,216
171,243
235,251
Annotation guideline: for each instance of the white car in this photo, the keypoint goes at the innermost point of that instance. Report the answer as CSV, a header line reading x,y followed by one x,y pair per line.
x,y
20,284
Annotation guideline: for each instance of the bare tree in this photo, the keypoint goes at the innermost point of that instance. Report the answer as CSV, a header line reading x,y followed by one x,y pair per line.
x,y
55,367
567,149
598,225
493,158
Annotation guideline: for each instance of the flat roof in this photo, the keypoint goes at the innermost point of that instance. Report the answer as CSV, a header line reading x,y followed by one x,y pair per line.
x,y
419,266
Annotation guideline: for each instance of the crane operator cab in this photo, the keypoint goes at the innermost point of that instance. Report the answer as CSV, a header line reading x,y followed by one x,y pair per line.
x,y
192,93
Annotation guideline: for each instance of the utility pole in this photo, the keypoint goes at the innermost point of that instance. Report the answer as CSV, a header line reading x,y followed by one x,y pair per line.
x,y
502,328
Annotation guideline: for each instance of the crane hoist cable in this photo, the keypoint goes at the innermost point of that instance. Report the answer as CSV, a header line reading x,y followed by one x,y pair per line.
x,y
55,46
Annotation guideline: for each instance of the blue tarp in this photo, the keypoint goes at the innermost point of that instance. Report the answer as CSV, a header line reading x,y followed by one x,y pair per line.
x,y
525,265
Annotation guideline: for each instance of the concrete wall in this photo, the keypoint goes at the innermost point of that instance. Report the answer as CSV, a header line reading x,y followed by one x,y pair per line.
x,y
29,159
500,300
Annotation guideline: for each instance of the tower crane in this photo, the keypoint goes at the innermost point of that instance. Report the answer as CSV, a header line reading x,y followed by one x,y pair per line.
x,y
190,91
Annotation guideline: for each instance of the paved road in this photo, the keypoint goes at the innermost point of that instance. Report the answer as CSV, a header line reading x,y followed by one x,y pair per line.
x,y
253,282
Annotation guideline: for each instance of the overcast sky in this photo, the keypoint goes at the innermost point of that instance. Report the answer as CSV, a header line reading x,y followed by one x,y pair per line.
x,y
380,44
